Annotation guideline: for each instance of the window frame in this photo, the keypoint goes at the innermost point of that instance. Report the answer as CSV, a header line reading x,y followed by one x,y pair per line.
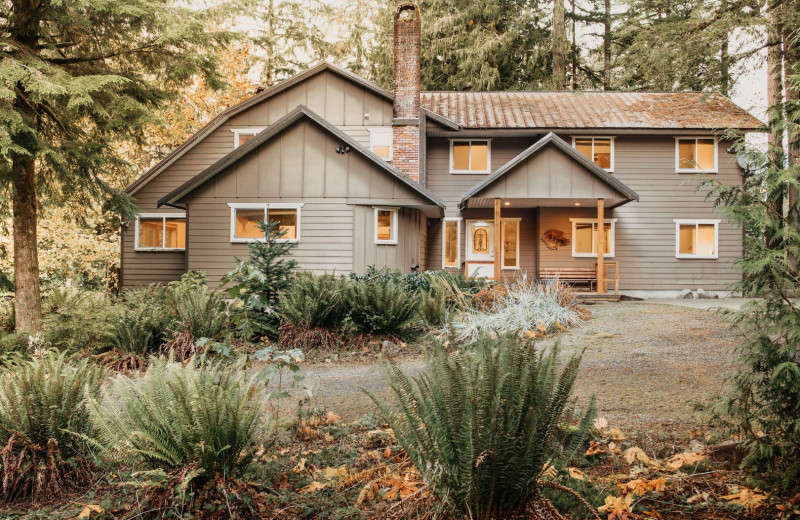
x,y
247,131
679,138
163,217
458,242
266,206
612,251
381,130
591,159
503,265
470,141
695,221
392,241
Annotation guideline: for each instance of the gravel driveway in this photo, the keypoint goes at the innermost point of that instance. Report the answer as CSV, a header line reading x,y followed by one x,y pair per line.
x,y
645,362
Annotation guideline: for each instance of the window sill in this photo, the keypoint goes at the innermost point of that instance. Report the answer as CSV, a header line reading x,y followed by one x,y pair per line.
x,y
386,242
262,240
697,257
470,172
591,255
159,250
695,171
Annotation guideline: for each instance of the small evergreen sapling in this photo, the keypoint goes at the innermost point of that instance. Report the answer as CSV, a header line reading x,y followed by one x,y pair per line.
x,y
257,282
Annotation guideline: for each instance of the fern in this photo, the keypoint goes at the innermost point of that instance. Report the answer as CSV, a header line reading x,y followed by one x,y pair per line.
x,y
202,414
481,425
382,307
314,301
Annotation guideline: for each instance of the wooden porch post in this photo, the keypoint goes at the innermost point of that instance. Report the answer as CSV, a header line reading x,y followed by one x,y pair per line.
x,y
498,244
601,247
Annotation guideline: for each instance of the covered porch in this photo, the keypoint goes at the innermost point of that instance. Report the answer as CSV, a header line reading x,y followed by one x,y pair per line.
x,y
540,215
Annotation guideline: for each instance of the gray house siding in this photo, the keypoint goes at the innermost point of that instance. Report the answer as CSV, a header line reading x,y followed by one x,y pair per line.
x,y
300,165
340,101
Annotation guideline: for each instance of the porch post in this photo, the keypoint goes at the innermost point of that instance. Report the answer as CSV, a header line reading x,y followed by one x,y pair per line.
x,y
498,243
601,247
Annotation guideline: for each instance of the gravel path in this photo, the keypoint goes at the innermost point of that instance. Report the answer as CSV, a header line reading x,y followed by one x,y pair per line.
x,y
645,362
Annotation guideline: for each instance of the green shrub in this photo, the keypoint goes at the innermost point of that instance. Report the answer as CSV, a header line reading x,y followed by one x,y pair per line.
x,y
195,309
433,306
143,321
6,313
481,425
314,301
381,307
75,319
203,415
44,424
422,281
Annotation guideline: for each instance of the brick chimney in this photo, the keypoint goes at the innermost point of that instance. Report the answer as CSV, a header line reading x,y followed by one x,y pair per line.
x,y
405,122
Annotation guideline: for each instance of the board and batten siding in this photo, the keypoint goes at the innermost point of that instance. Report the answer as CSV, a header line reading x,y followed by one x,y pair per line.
x,y
300,165
408,252
342,102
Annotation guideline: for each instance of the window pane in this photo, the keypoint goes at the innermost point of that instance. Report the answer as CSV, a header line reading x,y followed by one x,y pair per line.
x,y
510,244
385,224
287,221
451,243
686,238
461,156
175,233
607,228
686,158
381,151
479,154
150,232
584,146
243,138
705,239
583,237
602,153
247,223
705,154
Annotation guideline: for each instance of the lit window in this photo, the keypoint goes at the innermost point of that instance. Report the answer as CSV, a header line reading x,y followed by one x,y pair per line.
x,y
161,232
469,156
696,238
696,154
510,238
242,135
584,237
599,150
380,142
452,242
385,226
246,220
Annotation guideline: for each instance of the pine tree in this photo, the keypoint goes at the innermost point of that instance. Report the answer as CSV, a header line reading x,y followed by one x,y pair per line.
x,y
76,78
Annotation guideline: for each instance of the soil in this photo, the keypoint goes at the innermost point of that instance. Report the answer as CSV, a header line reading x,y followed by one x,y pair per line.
x,y
646,364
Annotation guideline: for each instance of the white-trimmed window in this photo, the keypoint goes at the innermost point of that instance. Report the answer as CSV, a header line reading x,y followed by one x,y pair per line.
x,y
451,242
599,150
584,237
470,155
509,237
386,226
242,135
160,232
696,154
696,238
245,219
380,142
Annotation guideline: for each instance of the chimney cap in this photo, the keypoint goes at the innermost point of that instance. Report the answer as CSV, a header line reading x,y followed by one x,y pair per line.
x,y
406,7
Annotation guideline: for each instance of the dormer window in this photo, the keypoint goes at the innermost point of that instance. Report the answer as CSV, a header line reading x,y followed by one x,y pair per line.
x,y
470,156
380,142
242,135
599,150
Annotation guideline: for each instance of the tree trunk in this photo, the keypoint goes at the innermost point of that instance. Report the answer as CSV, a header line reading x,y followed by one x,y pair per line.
x,y
574,50
792,65
607,46
559,46
724,59
27,296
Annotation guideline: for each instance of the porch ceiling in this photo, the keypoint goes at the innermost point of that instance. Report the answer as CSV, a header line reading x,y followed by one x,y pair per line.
x,y
525,203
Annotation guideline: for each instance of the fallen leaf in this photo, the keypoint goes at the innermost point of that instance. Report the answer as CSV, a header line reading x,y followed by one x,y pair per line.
x,y
751,499
576,474
615,434
616,504
401,488
88,509
637,454
548,470
642,486
595,448
284,483
301,466
682,459
311,488
696,499
328,437
332,418
601,423
334,473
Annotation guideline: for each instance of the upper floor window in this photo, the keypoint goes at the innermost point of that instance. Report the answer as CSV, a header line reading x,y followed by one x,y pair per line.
x,y
584,236
380,142
246,217
696,154
161,232
386,225
470,156
242,135
599,150
696,238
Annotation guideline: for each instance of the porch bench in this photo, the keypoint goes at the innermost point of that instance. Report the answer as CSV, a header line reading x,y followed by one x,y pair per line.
x,y
571,275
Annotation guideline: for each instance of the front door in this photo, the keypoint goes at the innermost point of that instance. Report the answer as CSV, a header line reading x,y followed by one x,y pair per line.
x,y
480,248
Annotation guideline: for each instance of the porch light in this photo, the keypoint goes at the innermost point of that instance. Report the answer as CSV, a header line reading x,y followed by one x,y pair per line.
x,y
506,203
577,203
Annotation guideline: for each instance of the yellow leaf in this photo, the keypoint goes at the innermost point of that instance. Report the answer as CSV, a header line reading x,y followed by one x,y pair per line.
x,y
301,466
328,437
595,448
332,418
334,473
548,470
637,454
682,459
601,423
87,510
615,434
616,504
642,486
751,499
576,474
311,488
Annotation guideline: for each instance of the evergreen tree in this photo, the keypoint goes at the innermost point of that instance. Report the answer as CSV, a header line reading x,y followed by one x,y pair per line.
x,y
76,78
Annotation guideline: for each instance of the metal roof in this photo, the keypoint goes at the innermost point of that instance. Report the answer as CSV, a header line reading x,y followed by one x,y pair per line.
x,y
568,109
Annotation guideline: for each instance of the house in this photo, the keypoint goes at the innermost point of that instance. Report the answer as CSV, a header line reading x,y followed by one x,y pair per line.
x,y
361,176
